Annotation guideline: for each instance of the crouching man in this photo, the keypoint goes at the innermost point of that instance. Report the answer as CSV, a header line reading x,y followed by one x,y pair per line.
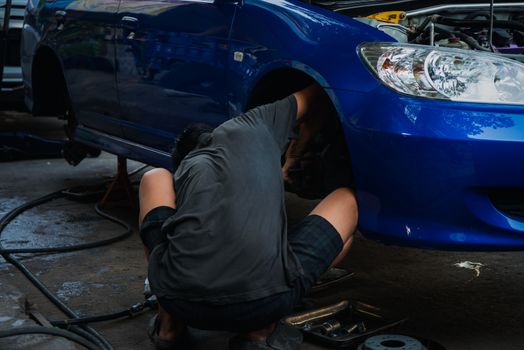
x,y
220,254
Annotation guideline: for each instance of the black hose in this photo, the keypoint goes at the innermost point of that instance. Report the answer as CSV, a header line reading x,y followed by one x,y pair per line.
x,y
478,23
464,37
6,253
424,24
91,319
424,36
477,14
90,337
472,42
103,344
6,219
75,247
48,331
132,311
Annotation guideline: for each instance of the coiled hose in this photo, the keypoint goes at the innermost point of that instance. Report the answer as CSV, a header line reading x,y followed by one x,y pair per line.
x,y
77,329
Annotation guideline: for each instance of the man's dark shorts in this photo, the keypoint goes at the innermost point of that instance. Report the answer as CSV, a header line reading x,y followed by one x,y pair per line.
x,y
315,243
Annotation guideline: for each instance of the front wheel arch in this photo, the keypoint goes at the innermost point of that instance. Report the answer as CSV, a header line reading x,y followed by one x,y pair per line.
x,y
50,95
331,155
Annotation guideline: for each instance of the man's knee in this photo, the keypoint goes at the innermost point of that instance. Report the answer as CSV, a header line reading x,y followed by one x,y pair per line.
x,y
156,190
155,177
340,209
348,200
348,203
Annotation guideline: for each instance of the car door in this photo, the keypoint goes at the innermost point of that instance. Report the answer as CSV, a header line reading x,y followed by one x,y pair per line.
x,y
84,32
171,57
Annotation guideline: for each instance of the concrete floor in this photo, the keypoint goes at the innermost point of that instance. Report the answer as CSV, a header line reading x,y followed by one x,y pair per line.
x,y
443,302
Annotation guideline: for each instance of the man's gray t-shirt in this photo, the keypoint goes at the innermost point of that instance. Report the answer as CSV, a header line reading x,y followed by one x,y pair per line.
x,y
227,242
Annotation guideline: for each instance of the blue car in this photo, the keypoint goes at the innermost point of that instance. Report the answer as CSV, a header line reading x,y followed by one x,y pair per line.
x,y
428,96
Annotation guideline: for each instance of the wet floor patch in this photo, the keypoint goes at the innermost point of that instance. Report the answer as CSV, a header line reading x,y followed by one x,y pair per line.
x,y
61,222
7,204
71,289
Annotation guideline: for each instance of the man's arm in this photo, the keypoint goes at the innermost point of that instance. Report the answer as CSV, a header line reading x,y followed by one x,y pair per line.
x,y
313,108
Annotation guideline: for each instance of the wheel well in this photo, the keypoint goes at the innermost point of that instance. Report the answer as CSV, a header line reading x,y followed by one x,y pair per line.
x,y
328,164
278,84
50,97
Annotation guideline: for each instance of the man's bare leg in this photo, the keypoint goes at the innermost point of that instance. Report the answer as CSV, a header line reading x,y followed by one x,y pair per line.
x,y
340,209
156,190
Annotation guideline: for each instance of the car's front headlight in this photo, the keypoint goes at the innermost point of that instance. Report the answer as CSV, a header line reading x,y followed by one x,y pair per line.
x,y
445,73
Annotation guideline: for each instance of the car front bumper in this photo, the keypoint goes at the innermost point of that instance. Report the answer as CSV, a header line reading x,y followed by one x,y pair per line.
x,y
436,174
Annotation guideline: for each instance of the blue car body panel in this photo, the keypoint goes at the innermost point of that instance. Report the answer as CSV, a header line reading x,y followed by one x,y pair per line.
x,y
89,60
176,62
425,170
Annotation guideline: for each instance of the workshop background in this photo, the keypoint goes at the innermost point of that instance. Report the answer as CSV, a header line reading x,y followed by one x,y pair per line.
x,y
447,300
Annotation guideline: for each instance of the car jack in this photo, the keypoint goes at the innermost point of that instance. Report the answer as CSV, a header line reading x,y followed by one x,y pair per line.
x,y
120,187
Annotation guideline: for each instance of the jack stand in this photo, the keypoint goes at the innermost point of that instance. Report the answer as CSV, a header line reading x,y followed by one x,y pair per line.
x,y
120,185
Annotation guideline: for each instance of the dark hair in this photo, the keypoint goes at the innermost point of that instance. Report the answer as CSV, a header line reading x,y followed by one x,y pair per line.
x,y
187,141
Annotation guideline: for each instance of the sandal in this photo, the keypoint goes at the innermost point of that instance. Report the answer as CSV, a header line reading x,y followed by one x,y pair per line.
x,y
284,337
332,276
180,343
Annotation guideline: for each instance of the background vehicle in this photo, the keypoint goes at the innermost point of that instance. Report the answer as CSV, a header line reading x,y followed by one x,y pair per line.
x,y
10,45
433,136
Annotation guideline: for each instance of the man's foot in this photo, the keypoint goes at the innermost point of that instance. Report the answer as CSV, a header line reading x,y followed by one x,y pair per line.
x,y
166,335
261,334
332,276
275,337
